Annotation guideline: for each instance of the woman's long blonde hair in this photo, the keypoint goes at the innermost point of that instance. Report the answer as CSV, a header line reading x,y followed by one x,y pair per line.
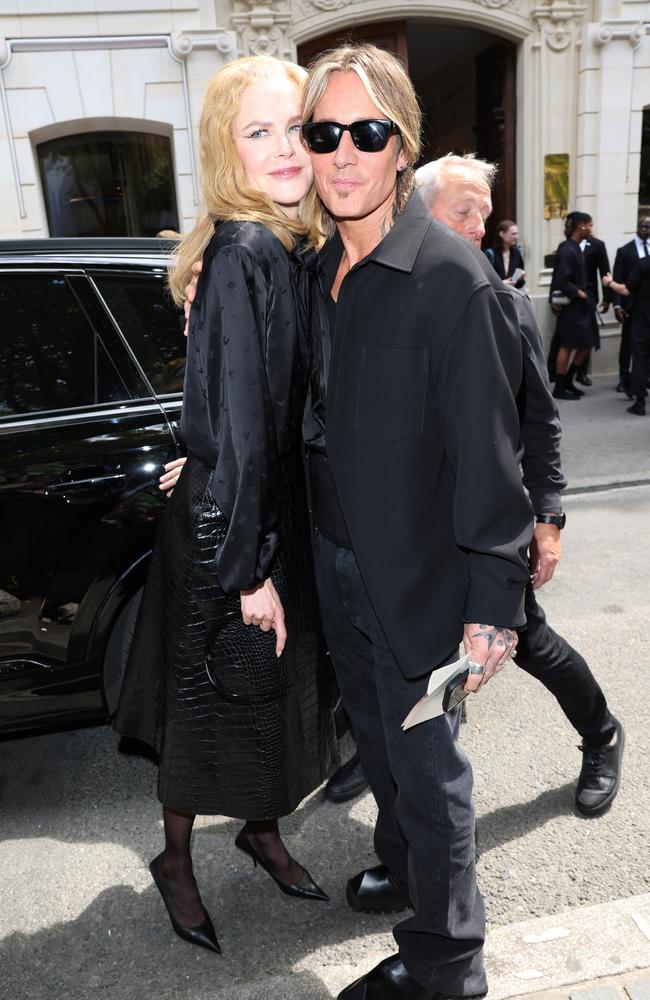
x,y
225,194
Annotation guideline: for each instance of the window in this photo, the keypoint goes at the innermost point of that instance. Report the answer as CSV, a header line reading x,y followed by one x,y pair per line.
x,y
108,184
644,176
50,357
152,325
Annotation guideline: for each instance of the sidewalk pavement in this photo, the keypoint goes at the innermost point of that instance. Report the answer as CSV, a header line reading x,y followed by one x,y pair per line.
x,y
599,952
631,986
589,953
602,444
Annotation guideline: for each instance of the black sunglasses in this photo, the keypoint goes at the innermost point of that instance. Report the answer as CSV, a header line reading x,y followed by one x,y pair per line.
x,y
369,135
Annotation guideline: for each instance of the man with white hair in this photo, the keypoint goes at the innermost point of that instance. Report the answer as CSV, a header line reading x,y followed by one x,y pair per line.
x,y
457,191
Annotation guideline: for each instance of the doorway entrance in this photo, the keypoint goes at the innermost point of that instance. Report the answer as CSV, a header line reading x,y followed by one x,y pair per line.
x,y
466,81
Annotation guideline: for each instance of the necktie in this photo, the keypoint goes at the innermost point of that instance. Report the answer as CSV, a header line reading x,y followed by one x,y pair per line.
x,y
646,253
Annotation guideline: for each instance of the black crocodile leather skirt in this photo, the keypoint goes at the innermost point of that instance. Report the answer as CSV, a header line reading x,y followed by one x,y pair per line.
x,y
238,731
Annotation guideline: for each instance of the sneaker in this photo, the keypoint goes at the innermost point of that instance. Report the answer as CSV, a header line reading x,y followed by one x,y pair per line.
x,y
600,774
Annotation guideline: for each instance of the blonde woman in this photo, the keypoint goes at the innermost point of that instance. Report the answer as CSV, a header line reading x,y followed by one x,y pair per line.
x,y
226,677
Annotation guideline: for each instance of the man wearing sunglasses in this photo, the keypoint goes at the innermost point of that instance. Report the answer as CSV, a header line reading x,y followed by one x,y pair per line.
x,y
422,521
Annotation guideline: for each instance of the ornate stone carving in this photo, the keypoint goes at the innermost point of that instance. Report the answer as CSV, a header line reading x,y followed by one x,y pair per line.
x,y
182,44
263,29
325,5
559,22
626,31
495,4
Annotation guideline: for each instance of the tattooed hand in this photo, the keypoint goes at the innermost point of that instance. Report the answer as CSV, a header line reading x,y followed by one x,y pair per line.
x,y
489,646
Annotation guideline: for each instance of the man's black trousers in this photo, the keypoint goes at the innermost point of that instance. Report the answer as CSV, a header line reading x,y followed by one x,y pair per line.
x,y
625,351
421,780
544,654
640,339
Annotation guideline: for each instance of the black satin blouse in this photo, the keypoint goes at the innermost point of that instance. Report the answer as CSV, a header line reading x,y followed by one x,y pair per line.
x,y
248,363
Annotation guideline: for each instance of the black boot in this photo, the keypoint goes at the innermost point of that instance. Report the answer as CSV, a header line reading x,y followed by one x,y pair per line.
x,y
348,782
571,386
638,408
561,390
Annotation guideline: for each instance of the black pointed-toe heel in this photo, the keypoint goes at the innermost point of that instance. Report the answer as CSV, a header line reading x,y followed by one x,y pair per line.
x,y
204,934
306,888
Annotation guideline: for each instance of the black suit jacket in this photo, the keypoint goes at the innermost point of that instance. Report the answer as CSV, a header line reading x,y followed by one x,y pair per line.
x,y
626,263
539,418
596,263
422,437
495,256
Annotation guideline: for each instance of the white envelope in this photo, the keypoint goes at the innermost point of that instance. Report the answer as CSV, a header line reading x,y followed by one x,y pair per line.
x,y
430,705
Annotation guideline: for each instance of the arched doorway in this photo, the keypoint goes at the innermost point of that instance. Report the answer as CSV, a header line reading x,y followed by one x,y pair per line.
x,y
466,80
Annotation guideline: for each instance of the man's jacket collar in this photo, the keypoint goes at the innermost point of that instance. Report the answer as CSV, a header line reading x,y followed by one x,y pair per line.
x,y
398,249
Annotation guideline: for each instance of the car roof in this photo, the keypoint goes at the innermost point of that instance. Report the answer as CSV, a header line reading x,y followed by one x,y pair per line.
x,y
96,250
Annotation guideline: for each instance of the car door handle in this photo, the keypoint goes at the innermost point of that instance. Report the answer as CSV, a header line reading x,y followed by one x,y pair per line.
x,y
91,481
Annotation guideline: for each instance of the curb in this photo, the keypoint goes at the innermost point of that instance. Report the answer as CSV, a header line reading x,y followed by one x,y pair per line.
x,y
630,986
580,946
599,486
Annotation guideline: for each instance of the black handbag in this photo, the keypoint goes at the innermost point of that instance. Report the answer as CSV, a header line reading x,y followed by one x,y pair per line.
x,y
241,664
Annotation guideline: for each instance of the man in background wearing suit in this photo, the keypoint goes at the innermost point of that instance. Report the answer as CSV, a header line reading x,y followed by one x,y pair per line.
x,y
627,259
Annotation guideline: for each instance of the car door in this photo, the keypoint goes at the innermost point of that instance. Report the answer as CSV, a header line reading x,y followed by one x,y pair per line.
x,y
82,442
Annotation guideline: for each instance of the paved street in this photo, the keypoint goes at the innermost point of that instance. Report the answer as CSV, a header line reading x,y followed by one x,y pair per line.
x,y
80,917
601,442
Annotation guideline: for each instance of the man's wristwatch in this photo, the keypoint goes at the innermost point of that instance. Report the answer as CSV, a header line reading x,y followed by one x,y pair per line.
x,y
559,520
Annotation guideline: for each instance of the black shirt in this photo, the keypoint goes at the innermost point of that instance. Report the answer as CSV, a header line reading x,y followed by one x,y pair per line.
x,y
328,516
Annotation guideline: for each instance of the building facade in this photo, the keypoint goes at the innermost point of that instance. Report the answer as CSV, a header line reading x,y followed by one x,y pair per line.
x,y
99,102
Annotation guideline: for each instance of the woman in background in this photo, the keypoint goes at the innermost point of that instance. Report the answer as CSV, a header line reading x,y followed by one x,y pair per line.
x,y
506,257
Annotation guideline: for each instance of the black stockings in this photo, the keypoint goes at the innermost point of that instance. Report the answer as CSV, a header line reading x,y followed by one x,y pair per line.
x,y
183,893
264,837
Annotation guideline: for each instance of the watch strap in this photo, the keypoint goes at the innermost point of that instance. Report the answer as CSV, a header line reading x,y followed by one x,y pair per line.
x,y
559,520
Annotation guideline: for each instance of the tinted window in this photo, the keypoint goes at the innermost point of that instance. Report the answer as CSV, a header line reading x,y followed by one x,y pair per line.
x,y
50,357
152,325
108,184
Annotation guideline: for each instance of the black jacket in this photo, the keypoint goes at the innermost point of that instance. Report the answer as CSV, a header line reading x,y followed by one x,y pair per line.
x,y
638,283
576,322
422,436
596,264
245,382
539,418
495,256
625,264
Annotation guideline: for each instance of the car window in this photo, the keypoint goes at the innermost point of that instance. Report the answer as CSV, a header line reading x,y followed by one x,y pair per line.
x,y
50,356
151,323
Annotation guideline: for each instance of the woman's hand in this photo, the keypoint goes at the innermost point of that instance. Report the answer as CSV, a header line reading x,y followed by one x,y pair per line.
x,y
262,607
171,475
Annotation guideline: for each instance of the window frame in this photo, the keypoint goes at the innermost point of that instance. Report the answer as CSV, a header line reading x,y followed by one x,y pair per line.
x,y
113,346
84,126
129,272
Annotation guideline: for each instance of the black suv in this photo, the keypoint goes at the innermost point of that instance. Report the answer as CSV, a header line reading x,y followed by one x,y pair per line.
x,y
92,357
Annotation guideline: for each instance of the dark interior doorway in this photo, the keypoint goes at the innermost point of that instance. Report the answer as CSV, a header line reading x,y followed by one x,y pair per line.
x,y
466,80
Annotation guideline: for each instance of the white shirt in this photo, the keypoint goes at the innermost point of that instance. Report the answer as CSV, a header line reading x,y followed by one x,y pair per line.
x,y
639,246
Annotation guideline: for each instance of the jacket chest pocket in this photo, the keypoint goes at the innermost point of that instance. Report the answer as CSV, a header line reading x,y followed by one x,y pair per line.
x,y
391,393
